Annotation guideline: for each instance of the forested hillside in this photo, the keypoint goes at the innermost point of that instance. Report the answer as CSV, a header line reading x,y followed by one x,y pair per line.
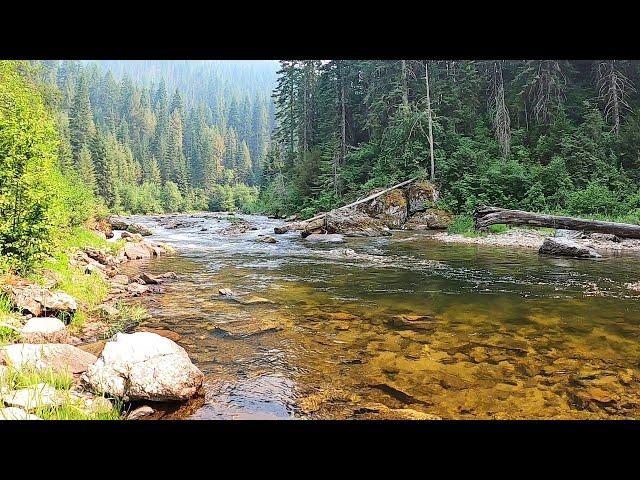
x,y
545,135
162,136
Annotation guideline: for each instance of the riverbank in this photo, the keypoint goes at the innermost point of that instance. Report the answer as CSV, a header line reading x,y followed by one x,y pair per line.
x,y
533,239
62,350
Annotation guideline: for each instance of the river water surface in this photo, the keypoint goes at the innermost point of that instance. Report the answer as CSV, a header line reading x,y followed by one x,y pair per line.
x,y
378,326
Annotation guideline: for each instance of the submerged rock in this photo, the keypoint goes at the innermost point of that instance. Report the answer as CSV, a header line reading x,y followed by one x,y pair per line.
x,y
568,248
325,238
265,239
44,330
144,366
244,328
59,357
430,219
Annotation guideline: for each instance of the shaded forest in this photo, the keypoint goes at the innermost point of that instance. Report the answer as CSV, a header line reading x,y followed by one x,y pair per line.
x,y
542,135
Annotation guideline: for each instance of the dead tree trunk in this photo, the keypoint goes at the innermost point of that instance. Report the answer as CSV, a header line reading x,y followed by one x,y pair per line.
x,y
485,216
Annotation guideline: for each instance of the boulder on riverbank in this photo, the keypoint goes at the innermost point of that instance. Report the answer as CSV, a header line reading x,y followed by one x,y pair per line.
x,y
59,357
430,219
567,248
44,330
36,300
139,229
144,366
353,223
390,208
421,196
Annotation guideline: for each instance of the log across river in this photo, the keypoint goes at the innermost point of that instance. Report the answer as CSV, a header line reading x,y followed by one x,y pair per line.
x,y
396,327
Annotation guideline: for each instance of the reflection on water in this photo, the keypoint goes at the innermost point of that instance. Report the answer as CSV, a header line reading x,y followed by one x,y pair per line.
x,y
375,327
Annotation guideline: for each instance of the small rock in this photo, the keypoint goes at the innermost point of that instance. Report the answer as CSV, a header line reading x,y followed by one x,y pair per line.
x,y
137,289
44,330
265,239
168,275
325,238
148,279
30,398
226,292
132,237
281,230
120,279
106,310
140,412
607,237
13,413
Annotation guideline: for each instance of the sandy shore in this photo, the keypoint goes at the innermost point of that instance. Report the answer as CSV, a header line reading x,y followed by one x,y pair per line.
x,y
532,239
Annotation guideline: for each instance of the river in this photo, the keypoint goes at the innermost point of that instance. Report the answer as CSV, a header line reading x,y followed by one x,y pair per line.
x,y
405,322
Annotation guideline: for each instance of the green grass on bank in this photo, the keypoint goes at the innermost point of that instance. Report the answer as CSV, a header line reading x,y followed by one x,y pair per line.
x,y
129,316
69,408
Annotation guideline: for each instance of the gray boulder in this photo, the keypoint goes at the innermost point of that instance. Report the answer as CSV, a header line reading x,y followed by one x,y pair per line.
x,y
325,238
567,248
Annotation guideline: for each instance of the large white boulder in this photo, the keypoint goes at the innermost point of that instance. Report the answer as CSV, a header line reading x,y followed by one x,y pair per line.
x,y
44,330
144,366
59,357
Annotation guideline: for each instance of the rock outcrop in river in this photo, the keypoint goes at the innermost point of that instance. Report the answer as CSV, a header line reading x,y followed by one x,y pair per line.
x,y
410,209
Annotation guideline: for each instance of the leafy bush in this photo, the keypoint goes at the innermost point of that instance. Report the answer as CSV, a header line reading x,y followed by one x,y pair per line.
x,y
461,224
594,199
29,207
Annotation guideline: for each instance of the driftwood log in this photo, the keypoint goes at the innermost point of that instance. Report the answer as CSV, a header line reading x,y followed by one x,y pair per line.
x,y
484,216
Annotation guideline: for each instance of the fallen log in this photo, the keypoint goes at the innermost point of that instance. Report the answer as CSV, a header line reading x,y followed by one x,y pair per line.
x,y
484,216
366,199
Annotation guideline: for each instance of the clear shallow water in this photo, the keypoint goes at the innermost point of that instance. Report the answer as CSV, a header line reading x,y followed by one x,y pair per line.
x,y
457,331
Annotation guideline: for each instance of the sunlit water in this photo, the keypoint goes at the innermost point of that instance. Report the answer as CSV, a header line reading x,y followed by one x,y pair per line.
x,y
453,330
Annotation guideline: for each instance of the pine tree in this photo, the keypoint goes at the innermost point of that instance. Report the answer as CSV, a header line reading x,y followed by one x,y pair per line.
x,y
86,169
81,126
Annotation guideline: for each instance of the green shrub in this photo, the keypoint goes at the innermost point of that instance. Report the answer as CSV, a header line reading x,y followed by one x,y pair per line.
x,y
593,199
461,224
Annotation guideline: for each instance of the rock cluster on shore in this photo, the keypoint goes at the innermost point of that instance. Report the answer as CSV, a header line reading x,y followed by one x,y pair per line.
x,y
145,366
